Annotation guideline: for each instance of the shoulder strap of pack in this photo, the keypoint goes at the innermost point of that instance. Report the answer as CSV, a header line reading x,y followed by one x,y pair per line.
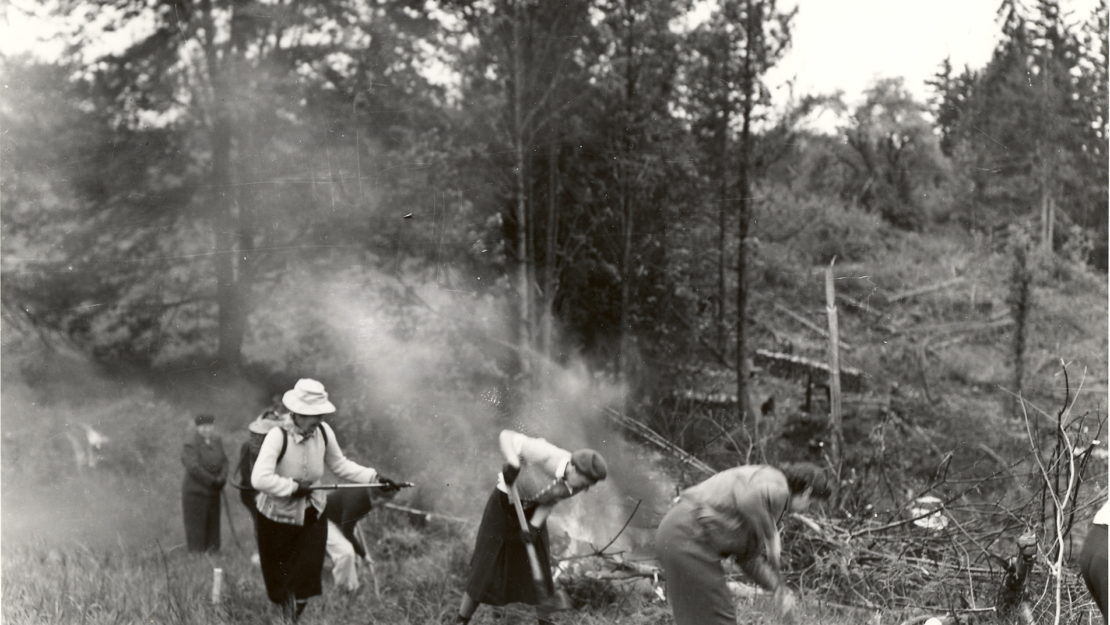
x,y
285,441
284,444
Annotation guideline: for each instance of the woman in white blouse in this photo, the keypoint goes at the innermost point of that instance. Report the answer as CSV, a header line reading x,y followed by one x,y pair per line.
x,y
291,529
543,475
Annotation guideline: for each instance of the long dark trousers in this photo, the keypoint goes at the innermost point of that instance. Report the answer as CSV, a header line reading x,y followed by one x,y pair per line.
x,y
202,521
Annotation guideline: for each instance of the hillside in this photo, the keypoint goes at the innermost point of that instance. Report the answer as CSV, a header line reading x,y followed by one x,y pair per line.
x,y
924,319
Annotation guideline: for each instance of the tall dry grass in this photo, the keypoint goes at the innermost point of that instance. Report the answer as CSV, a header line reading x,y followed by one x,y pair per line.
x,y
420,573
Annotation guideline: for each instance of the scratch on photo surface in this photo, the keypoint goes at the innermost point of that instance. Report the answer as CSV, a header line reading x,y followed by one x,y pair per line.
x,y
996,141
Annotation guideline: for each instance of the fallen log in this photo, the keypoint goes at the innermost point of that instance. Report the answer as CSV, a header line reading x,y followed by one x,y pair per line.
x,y
792,366
425,515
959,328
809,324
922,290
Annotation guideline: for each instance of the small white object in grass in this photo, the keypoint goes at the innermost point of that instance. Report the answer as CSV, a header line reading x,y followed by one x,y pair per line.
x,y
217,585
934,621
927,512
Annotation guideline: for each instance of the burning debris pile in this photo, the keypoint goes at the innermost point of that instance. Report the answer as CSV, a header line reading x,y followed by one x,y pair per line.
x,y
601,579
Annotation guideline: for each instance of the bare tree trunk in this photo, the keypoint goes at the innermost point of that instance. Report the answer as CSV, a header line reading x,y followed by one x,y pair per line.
x,y
523,310
722,212
550,242
244,257
626,282
743,365
1020,301
836,428
230,314
624,173
532,259
1048,222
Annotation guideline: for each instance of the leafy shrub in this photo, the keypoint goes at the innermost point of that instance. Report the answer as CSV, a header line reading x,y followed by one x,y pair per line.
x,y
812,230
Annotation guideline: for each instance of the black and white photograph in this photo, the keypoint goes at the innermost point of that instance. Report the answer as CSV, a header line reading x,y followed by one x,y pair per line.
x,y
565,312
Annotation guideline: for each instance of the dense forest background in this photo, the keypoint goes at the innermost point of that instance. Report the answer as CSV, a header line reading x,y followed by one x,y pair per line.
x,y
566,217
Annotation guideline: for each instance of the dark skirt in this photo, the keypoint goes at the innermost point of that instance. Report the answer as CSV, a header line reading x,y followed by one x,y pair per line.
x,y
499,569
696,584
1092,565
292,556
201,513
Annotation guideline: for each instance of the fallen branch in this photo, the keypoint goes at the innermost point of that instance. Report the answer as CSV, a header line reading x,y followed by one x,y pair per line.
x,y
858,305
962,327
920,620
895,524
809,324
914,292
428,516
621,531
658,440
620,576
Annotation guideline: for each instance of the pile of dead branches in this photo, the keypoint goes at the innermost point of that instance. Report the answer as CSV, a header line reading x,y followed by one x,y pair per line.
x,y
963,554
973,566
967,554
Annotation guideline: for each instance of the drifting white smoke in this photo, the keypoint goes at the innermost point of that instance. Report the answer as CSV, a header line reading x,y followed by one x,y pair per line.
x,y
416,376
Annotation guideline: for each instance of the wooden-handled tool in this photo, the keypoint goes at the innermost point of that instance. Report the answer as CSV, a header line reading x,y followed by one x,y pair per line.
x,y
557,601
353,485
533,559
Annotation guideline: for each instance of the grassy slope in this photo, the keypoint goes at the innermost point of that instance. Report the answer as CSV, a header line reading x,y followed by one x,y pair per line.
x,y
104,547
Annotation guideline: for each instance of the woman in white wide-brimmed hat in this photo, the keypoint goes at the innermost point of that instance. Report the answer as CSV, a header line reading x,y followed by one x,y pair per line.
x,y
291,528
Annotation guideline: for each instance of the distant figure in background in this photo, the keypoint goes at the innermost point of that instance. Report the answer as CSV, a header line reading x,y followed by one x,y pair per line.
x,y
290,525
273,416
543,475
1092,559
87,443
346,507
733,513
205,474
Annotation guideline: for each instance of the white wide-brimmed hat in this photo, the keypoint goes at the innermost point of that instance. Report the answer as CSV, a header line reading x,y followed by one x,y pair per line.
x,y
308,397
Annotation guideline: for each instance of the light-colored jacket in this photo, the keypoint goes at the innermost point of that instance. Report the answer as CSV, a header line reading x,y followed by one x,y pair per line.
x,y
740,508
305,457
1102,517
543,467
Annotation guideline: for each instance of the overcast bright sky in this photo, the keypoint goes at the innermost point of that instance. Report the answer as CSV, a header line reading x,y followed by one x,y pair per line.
x,y
846,44
837,44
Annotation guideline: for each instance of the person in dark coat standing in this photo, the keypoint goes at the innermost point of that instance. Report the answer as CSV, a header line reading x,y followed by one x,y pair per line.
x,y
543,475
735,513
205,474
